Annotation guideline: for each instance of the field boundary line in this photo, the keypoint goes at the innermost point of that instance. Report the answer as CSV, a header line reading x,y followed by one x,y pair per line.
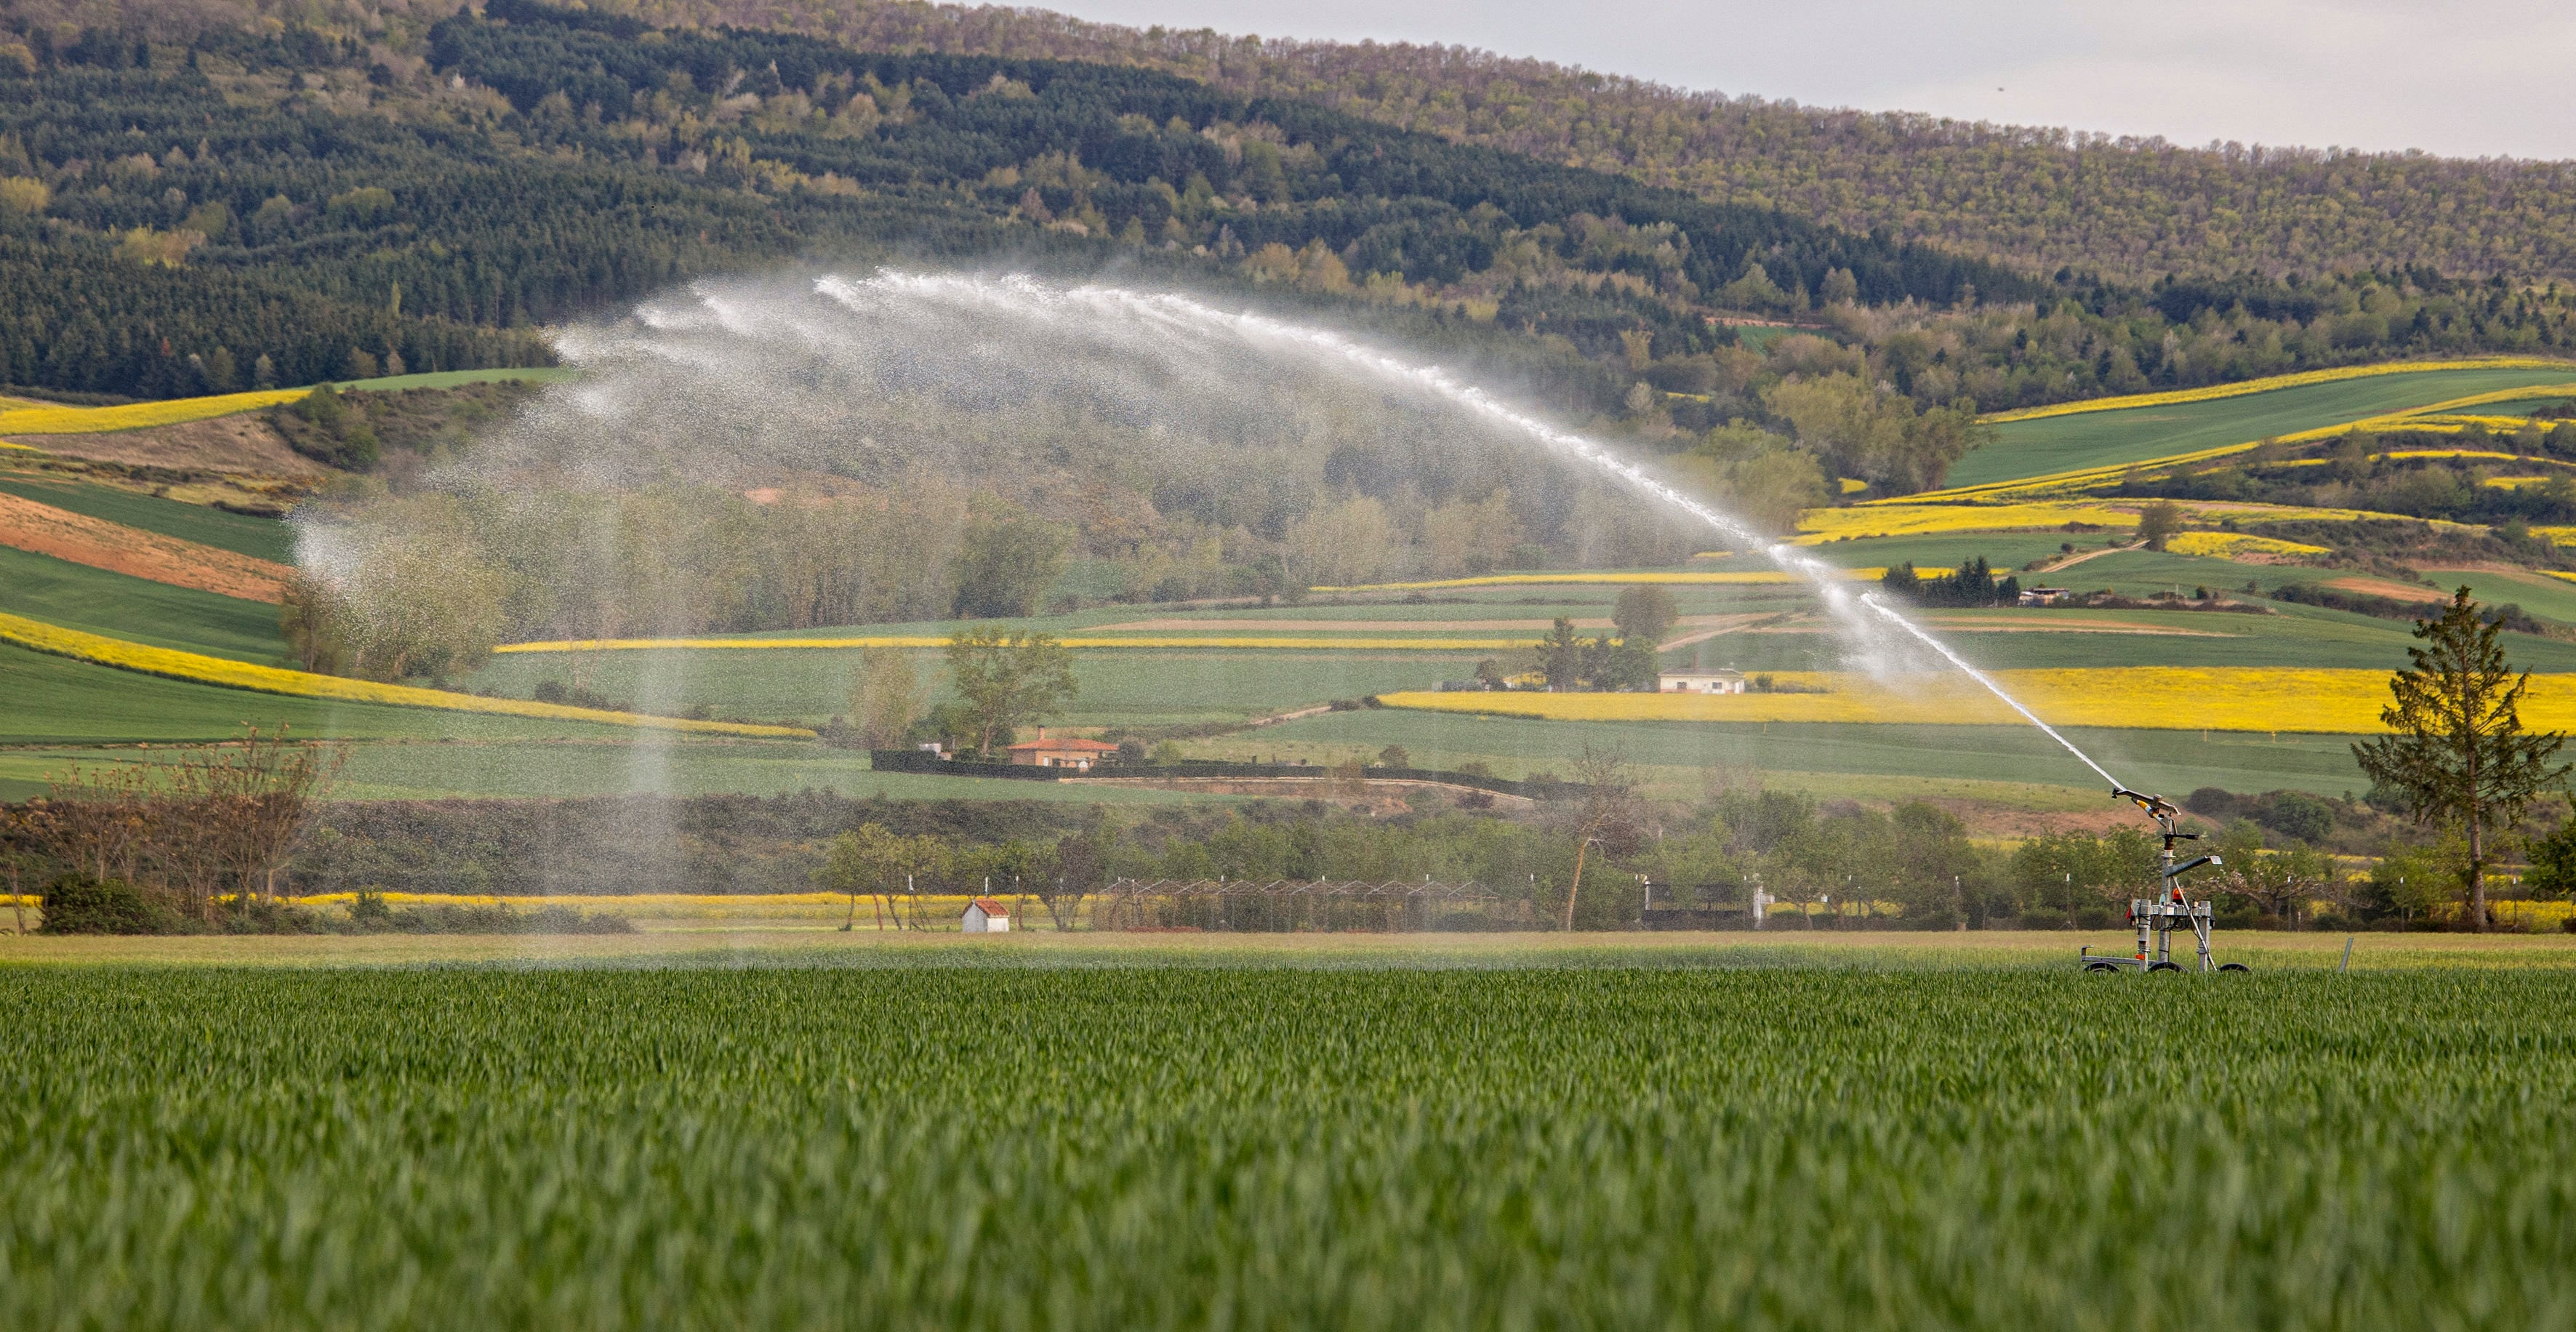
x,y
2269,384
196,668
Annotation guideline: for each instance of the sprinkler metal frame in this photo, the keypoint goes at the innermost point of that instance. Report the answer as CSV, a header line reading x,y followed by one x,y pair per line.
x,y
2157,918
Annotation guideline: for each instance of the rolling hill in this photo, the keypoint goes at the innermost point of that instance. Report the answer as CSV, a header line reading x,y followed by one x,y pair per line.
x,y
656,155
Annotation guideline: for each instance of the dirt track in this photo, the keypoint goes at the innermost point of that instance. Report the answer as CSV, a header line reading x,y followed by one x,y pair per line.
x,y
46,530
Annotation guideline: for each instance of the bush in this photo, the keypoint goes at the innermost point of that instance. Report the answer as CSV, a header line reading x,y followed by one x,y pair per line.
x,y
74,905
370,915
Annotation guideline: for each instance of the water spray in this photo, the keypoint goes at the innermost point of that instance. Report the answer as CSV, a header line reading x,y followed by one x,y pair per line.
x,y
1899,620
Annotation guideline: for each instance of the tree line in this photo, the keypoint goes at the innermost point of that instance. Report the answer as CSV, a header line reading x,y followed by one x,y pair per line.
x,y
2041,198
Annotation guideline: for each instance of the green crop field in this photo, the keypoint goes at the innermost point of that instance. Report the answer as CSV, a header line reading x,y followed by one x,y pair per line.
x,y
47,700
117,605
2105,439
1119,687
1265,1147
486,758
2538,593
2171,761
241,533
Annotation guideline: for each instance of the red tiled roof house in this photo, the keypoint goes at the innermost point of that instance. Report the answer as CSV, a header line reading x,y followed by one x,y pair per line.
x,y
1071,753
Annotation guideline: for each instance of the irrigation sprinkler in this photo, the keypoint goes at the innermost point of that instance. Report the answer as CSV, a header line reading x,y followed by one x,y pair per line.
x,y
2170,909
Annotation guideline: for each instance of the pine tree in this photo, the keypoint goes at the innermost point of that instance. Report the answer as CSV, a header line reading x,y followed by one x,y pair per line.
x,y
2456,748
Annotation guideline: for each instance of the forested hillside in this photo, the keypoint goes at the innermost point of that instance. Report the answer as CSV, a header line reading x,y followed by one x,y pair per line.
x,y
2041,198
193,201
250,208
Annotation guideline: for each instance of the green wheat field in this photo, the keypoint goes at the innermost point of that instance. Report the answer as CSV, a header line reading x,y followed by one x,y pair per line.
x,y
1283,1141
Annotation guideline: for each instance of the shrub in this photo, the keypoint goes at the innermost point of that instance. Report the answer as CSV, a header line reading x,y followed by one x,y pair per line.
x,y
74,905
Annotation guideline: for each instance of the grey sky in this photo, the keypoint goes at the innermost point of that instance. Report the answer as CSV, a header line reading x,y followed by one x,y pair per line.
x,y
2468,78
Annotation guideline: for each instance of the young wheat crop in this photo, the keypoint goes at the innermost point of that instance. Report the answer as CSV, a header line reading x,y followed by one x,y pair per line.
x,y
992,1147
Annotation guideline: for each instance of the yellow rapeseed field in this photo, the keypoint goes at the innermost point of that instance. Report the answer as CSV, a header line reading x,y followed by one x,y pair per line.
x,y
2226,544
1817,526
2239,698
2456,453
2250,386
201,669
53,420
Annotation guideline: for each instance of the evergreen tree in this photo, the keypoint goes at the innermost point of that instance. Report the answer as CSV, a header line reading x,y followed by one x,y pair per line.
x,y
2456,748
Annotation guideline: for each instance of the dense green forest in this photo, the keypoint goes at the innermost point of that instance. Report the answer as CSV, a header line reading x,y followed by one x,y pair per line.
x,y
190,203
2038,197
2041,198
179,210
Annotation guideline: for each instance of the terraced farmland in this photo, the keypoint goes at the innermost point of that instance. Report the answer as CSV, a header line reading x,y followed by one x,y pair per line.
x,y
2055,444
1277,1148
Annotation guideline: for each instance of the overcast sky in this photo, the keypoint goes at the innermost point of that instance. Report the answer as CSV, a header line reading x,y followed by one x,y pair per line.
x,y
2469,78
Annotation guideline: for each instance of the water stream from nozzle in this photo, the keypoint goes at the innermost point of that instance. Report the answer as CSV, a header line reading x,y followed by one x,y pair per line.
x,y
1030,298
1992,687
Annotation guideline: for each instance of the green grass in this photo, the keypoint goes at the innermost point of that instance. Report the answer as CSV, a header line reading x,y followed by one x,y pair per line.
x,y
46,700
76,596
984,1146
261,538
2171,761
2541,595
452,378
473,764
2105,439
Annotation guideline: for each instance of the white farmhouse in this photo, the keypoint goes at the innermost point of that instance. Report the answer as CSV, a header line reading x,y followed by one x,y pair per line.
x,y
986,916
1700,682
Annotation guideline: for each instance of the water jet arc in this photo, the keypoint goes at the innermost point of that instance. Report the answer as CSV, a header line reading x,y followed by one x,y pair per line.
x,y
1030,298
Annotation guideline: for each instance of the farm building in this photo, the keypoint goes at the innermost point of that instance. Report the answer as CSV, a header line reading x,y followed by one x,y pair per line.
x,y
985,916
1701,682
1069,753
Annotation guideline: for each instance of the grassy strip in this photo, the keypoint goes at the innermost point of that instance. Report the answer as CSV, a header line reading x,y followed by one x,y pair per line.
x,y
1610,577
200,669
541,374
2215,392
2232,698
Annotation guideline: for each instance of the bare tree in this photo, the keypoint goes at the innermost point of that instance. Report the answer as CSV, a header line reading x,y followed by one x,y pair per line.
x,y
15,829
1607,816
1081,867
2281,882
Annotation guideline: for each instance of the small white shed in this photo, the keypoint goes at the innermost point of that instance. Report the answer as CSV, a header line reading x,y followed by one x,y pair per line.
x,y
986,916
1701,682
